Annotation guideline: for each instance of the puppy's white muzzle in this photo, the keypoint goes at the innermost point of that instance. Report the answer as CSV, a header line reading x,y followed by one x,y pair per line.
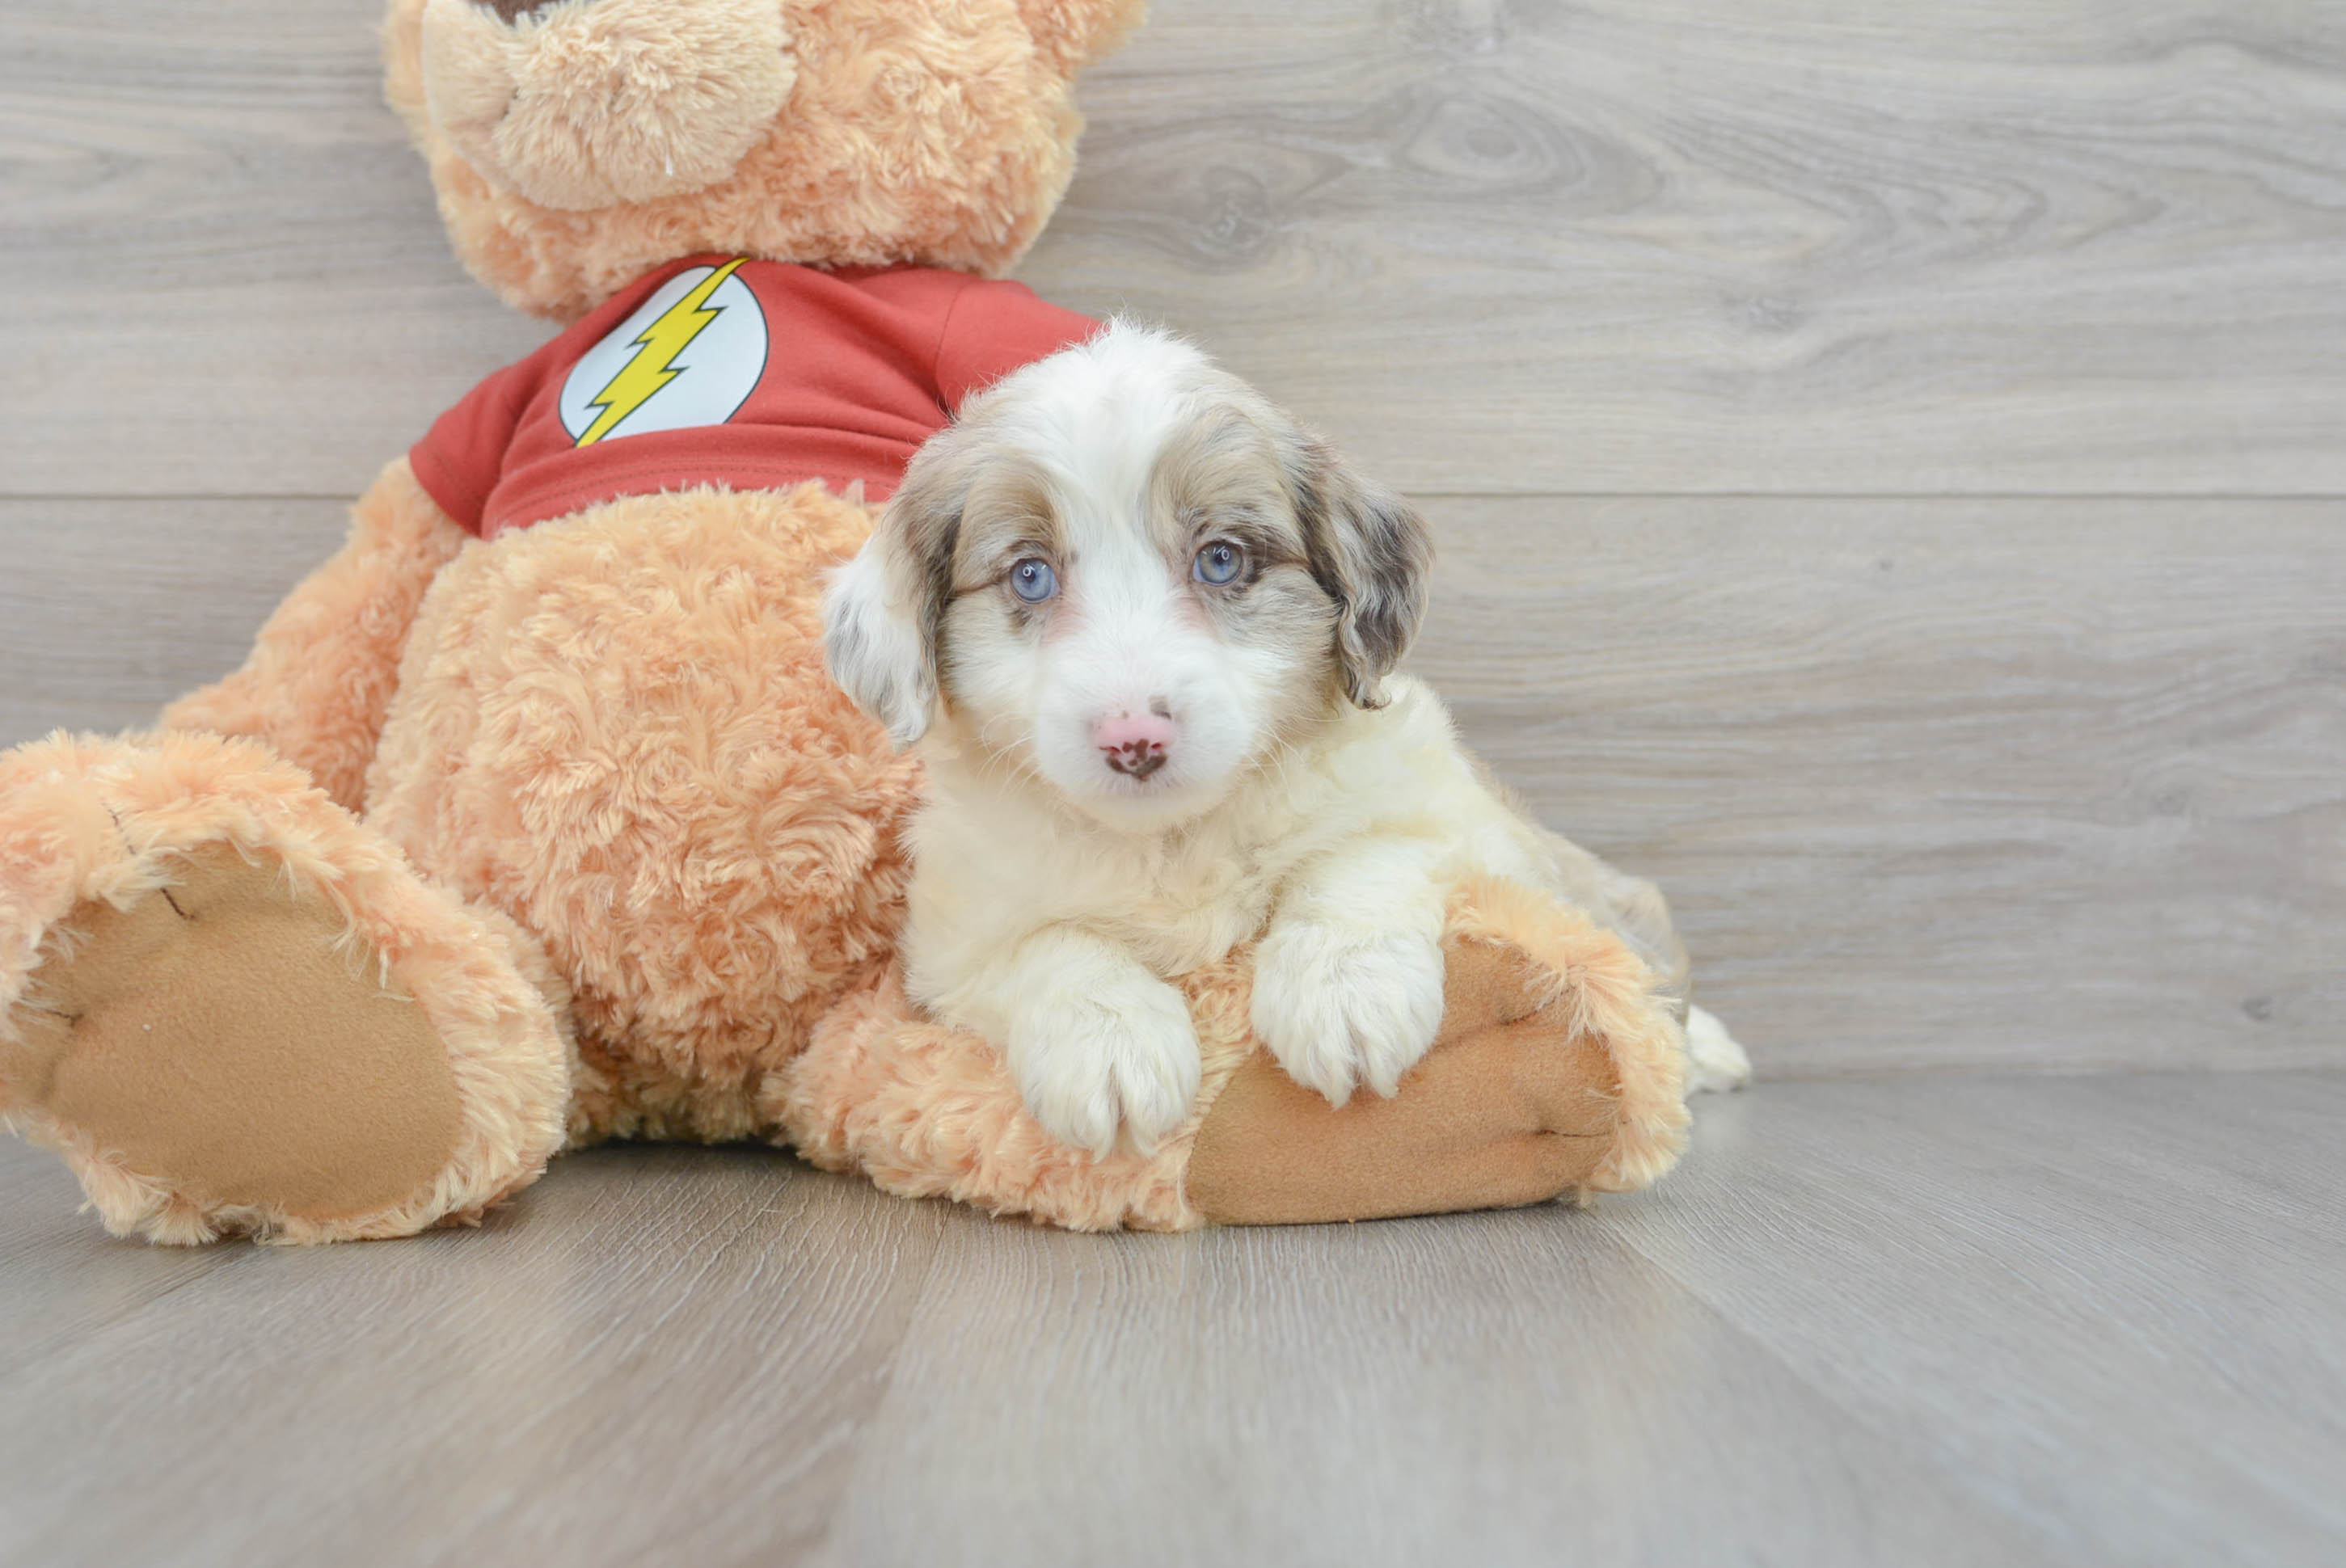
x,y
1138,721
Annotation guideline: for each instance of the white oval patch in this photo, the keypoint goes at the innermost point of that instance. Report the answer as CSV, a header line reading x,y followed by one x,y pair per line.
x,y
689,355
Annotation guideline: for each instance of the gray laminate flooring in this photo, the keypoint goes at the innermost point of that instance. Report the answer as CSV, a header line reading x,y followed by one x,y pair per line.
x,y
1993,1320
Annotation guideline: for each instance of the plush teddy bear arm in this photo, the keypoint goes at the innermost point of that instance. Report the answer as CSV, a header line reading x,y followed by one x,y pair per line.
x,y
1557,1070
1512,1106
322,671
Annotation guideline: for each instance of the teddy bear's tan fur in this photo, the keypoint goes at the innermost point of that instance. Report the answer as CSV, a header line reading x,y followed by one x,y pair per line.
x,y
942,133
492,846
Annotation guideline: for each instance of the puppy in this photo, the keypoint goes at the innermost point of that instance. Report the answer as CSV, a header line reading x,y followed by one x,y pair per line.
x,y
1145,628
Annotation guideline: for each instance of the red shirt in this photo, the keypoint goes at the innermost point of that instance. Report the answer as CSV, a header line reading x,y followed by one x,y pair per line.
x,y
756,374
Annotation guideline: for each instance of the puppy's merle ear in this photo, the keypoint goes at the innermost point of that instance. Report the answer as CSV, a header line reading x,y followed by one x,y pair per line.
x,y
1372,553
883,612
874,646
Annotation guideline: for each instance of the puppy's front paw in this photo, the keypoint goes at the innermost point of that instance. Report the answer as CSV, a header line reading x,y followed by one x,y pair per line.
x,y
1122,1053
1339,1009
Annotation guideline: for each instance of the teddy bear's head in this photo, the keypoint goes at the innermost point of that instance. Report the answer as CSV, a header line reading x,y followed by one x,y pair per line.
x,y
577,143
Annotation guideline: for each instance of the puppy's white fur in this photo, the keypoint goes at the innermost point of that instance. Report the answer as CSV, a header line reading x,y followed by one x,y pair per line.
x,y
1301,790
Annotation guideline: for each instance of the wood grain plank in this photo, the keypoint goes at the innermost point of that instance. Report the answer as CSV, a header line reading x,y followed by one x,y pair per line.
x,y
108,609
1759,246
60,1279
1939,783
2109,1306
222,267
1925,1320
1490,1389
1747,245
657,1354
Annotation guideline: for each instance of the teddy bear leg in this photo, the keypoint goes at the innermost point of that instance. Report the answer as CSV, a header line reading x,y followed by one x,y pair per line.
x,y
1557,1070
234,1009
1512,1106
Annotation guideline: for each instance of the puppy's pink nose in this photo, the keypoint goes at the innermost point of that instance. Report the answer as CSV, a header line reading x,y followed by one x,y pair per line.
x,y
1134,743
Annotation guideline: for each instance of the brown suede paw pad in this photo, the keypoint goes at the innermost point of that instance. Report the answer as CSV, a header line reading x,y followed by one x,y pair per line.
x,y
1508,1109
222,1037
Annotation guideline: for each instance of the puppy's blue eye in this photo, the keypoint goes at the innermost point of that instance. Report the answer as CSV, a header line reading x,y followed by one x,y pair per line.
x,y
1033,580
1218,563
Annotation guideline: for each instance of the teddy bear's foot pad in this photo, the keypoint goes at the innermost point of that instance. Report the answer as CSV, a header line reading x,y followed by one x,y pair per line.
x,y
1509,1108
228,1037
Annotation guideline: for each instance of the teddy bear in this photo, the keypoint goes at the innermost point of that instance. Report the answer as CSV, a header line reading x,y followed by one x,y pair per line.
x,y
532,818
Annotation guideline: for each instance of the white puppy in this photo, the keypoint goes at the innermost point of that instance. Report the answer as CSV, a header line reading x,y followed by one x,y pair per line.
x,y
1147,626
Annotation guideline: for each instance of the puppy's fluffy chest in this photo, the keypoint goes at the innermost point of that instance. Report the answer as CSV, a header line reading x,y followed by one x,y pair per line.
x,y
996,854
1178,900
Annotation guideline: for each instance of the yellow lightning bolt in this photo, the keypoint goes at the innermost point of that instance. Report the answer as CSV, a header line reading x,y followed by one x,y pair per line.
x,y
656,347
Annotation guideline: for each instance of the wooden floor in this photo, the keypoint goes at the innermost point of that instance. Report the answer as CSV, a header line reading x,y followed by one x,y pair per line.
x,y
1912,1321
1889,463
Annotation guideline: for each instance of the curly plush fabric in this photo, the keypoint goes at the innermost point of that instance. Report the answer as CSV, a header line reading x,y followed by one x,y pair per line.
x,y
941,134
929,1112
584,104
618,729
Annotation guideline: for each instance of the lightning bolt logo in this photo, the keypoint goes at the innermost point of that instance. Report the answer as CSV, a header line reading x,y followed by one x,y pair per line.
x,y
652,366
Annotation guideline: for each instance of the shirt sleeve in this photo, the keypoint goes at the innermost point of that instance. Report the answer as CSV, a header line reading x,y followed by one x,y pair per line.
x,y
459,461
995,327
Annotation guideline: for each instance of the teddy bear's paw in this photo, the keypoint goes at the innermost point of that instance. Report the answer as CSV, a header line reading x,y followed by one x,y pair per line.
x,y
1339,1010
1514,1105
233,1010
222,1039
1124,1054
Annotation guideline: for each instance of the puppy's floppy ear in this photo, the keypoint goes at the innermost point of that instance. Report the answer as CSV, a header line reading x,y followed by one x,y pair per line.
x,y
883,611
874,646
1370,553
